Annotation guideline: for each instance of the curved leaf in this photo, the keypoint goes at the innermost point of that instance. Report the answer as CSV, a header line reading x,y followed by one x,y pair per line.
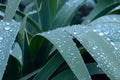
x,y
65,13
35,26
11,9
68,74
65,75
65,45
101,8
101,49
17,53
50,67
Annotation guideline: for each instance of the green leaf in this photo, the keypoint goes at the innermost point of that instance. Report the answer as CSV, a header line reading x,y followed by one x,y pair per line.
x,y
94,69
11,9
65,75
66,12
67,48
17,53
101,49
101,8
68,74
35,26
38,46
52,9
50,67
110,30
13,69
47,69
8,32
61,3
45,15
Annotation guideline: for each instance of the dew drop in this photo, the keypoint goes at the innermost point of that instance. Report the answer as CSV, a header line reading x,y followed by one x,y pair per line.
x,y
10,52
116,48
59,46
72,54
1,38
106,32
61,50
101,34
108,39
95,47
58,39
8,23
112,43
48,32
118,31
94,30
64,41
74,32
7,28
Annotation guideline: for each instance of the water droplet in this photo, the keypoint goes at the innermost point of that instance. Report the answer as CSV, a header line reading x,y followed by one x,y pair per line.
x,y
116,48
10,52
48,32
106,32
7,23
95,47
101,34
75,32
108,39
72,54
59,46
61,50
94,30
63,36
58,39
7,28
64,41
112,43
118,31
1,38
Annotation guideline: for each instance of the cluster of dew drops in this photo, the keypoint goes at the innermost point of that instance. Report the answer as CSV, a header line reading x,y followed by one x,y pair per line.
x,y
7,30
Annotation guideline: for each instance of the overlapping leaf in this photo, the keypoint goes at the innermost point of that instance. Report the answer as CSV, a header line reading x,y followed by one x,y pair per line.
x,y
65,45
66,12
8,32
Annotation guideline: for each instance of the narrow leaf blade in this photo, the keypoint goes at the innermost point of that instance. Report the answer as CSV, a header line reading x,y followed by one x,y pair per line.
x,y
11,9
8,32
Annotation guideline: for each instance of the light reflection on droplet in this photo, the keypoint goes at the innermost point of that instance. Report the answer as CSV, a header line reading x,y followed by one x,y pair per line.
x,y
7,28
7,23
95,47
74,32
1,38
101,34
59,46
94,30
112,43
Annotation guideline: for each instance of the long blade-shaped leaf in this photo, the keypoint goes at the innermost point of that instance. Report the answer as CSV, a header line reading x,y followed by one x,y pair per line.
x,y
65,13
100,6
8,32
100,48
47,69
68,74
65,75
35,26
16,52
111,30
11,9
50,67
65,45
